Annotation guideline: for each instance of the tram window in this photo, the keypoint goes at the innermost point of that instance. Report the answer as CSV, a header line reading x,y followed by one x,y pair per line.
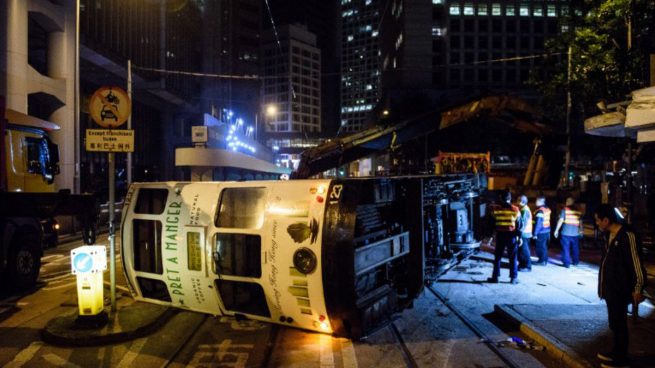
x,y
147,246
243,297
151,201
153,289
239,255
241,208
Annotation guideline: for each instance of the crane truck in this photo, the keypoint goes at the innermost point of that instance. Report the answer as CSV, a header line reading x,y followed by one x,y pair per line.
x,y
29,162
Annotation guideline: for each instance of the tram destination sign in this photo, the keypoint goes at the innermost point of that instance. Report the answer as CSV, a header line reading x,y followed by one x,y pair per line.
x,y
109,140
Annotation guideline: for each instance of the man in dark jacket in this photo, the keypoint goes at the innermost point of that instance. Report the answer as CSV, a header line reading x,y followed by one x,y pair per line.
x,y
506,218
620,280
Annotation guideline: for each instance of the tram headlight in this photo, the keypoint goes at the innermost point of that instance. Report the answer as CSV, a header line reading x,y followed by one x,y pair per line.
x,y
304,260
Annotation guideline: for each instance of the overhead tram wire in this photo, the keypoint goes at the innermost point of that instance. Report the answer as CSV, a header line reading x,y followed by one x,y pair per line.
x,y
257,77
279,45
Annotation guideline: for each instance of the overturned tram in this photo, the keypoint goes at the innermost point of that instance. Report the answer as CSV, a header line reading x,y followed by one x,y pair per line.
x,y
335,256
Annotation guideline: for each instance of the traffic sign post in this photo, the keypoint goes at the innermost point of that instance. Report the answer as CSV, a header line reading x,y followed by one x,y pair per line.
x,y
110,107
88,263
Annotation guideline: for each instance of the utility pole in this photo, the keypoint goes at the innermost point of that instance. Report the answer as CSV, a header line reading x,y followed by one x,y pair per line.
x,y
564,182
129,120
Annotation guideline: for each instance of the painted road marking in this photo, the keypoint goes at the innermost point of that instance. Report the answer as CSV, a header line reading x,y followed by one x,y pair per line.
x,y
132,353
211,354
348,354
25,355
58,361
327,356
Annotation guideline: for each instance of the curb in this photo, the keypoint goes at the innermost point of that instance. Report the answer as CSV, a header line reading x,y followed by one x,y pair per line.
x,y
61,331
554,347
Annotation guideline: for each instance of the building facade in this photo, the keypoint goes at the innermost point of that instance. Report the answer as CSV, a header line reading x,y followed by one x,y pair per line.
x,y
473,45
38,63
320,17
360,65
291,91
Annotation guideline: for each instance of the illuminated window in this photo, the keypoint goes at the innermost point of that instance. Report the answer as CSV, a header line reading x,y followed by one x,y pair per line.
x,y
524,10
483,9
454,9
468,9
510,11
437,2
538,11
495,9
565,10
551,11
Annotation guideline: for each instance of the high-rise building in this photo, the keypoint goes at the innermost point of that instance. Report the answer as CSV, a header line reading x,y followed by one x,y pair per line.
x,y
291,90
472,44
320,18
360,66
231,47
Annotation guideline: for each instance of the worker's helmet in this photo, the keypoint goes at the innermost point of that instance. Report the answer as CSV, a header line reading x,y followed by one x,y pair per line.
x,y
523,200
570,201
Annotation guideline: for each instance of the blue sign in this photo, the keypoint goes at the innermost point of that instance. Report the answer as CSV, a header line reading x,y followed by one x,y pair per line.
x,y
83,262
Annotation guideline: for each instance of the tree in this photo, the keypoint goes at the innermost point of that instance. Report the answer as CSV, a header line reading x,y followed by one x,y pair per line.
x,y
609,41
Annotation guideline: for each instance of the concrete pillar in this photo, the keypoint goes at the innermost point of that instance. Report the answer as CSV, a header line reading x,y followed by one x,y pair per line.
x,y
16,13
61,65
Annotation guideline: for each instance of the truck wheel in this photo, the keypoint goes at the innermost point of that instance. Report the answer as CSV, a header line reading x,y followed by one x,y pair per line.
x,y
24,262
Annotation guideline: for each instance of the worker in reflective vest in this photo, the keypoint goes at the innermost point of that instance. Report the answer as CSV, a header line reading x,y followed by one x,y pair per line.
x,y
525,263
542,230
506,219
570,221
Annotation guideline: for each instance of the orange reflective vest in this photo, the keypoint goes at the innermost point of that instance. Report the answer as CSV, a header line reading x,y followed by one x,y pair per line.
x,y
544,214
505,218
571,217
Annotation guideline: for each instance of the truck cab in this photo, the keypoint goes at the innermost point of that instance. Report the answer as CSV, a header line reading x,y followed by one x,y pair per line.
x,y
32,159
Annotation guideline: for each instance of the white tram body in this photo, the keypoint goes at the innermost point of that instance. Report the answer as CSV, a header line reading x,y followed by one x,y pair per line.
x,y
332,256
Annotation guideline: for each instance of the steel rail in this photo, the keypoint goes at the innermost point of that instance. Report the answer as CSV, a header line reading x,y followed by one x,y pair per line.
x,y
488,342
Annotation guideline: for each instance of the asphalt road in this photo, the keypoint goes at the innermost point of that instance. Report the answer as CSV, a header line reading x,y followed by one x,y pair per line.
x,y
427,335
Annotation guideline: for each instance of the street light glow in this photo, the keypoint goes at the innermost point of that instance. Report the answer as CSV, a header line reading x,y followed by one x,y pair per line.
x,y
271,110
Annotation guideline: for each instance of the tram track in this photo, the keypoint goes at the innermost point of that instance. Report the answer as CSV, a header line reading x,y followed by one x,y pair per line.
x,y
188,339
483,337
407,355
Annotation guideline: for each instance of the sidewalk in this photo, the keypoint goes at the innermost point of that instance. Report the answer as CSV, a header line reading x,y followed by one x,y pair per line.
x,y
131,320
575,333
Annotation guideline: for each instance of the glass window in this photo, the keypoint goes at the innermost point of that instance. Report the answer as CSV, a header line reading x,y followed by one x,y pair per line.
x,y
483,9
538,11
524,10
551,11
510,11
468,9
151,201
454,9
238,255
33,155
243,297
146,240
153,289
495,9
241,208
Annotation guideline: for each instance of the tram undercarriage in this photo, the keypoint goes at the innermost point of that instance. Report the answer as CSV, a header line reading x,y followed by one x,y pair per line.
x,y
391,236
